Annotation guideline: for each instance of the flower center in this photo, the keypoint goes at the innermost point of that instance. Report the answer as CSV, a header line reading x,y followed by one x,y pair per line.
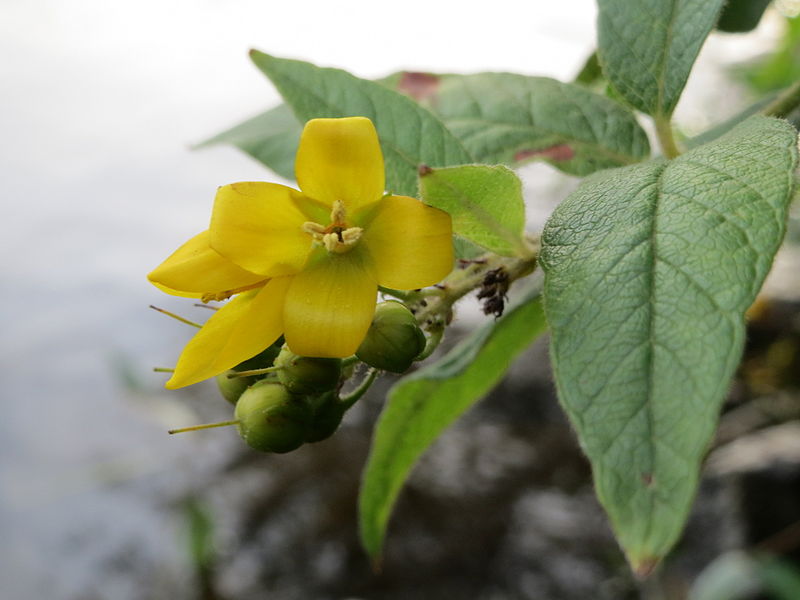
x,y
336,237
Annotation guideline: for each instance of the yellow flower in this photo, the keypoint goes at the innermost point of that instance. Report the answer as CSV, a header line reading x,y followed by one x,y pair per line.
x,y
306,264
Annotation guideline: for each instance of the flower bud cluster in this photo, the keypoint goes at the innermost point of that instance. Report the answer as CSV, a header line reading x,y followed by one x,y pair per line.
x,y
283,400
293,404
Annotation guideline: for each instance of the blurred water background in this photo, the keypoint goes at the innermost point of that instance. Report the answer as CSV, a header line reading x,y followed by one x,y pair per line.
x,y
100,104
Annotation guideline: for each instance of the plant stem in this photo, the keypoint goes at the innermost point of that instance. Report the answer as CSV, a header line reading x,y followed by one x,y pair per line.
x,y
350,360
434,339
400,294
347,401
785,103
666,137
434,313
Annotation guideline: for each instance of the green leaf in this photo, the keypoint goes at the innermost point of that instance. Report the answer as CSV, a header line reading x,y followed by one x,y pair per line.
x,y
647,48
724,127
739,16
423,404
649,271
410,135
500,117
484,202
271,138
591,72
507,118
739,576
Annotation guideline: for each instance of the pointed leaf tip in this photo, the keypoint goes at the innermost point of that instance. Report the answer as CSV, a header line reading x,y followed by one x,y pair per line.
x,y
644,567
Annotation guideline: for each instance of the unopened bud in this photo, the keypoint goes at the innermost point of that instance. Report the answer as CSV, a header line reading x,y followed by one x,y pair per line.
x,y
271,419
327,418
306,375
394,338
232,388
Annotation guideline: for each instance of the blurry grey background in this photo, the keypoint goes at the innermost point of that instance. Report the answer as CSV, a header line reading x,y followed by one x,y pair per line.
x,y
100,103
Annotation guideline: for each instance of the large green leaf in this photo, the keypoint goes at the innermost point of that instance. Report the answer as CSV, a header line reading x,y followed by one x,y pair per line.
x,y
271,138
647,48
649,271
484,202
507,118
499,117
410,135
423,404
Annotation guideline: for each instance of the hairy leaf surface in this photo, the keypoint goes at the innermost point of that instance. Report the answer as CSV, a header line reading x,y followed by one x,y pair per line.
x,y
410,135
647,48
649,271
484,202
498,117
510,119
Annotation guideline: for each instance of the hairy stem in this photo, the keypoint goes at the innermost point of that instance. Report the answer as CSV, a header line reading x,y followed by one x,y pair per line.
x,y
347,401
666,137
433,311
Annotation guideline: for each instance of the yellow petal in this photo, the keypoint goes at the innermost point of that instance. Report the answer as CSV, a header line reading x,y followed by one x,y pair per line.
x,y
239,330
258,226
195,269
340,159
330,305
410,243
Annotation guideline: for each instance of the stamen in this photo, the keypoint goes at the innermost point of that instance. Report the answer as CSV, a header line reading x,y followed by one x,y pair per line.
x,y
176,317
338,214
351,235
314,229
337,237
342,241
220,296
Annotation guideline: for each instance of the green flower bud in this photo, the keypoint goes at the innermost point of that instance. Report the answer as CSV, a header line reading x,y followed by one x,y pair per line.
x,y
263,359
394,339
327,417
233,387
305,375
271,419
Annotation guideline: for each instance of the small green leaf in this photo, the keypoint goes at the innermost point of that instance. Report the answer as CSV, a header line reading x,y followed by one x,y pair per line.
x,y
649,271
271,138
739,16
591,72
647,48
423,404
484,202
510,119
410,135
